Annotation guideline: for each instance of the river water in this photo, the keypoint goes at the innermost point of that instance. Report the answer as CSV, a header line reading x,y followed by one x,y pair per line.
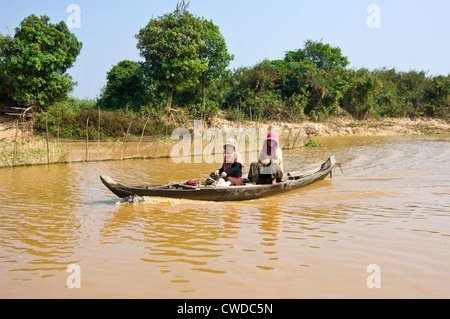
x,y
389,209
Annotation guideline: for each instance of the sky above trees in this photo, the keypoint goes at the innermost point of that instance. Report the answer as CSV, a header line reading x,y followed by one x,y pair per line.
x,y
413,35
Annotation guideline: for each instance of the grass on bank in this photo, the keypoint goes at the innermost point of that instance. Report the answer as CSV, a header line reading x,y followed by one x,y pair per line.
x,y
29,151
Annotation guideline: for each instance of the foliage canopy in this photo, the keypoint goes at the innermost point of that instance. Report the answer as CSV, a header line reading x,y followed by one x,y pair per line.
x,y
182,49
36,60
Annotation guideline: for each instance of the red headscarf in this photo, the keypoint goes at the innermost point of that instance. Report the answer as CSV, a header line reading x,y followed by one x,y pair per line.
x,y
275,145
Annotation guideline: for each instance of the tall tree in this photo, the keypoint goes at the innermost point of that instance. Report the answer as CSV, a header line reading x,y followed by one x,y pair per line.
x,y
324,56
359,98
170,45
320,69
125,88
36,60
438,96
215,52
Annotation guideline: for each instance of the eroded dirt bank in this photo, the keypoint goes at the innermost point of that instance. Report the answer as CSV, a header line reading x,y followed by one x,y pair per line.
x,y
332,127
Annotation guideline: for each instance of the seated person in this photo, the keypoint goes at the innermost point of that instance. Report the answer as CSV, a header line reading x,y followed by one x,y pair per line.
x,y
269,168
231,170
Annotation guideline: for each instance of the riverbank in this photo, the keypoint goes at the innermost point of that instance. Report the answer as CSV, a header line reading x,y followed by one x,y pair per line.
x,y
32,149
348,126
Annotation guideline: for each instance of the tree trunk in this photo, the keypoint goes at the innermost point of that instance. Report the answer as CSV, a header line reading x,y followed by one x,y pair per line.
x,y
170,97
204,94
204,98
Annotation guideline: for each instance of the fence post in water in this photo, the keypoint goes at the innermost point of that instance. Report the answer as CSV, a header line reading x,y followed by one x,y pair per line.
x,y
159,137
98,129
15,144
87,139
296,137
288,139
46,133
126,137
143,130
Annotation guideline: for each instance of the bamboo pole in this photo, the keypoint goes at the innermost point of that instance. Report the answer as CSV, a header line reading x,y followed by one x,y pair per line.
x,y
87,139
15,144
143,131
98,129
157,146
296,137
22,118
46,132
288,139
126,137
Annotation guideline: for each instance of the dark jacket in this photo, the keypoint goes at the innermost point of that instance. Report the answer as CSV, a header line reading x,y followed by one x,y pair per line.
x,y
234,171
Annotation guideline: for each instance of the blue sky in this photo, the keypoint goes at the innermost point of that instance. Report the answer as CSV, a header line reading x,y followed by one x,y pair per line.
x,y
414,35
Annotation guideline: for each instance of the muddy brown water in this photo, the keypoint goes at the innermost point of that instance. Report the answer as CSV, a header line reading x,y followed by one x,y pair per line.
x,y
390,208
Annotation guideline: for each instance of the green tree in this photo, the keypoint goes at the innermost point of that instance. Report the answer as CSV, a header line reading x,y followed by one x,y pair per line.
x,y
125,88
215,52
324,56
359,98
36,60
438,97
253,91
388,102
292,77
5,89
412,88
170,45
309,81
317,72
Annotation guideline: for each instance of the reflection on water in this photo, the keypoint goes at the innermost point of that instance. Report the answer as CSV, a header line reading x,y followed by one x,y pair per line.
x,y
391,207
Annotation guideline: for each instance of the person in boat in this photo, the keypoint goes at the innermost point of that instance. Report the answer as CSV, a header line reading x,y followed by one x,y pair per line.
x,y
269,168
231,170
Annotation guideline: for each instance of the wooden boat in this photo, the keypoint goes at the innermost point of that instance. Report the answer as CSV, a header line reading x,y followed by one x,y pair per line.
x,y
293,181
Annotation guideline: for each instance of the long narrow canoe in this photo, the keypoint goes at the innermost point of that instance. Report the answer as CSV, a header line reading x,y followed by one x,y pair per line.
x,y
293,181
